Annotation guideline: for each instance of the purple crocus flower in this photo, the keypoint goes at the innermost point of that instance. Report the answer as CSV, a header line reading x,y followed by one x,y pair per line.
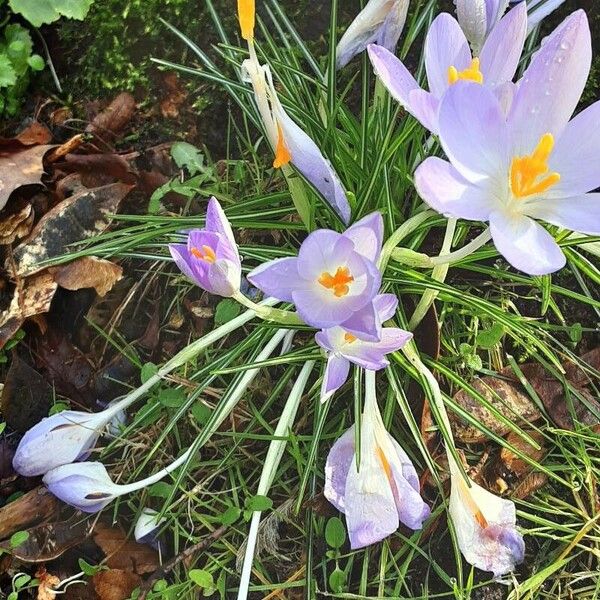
x,y
344,347
334,278
380,493
146,528
448,60
380,22
210,257
485,526
534,165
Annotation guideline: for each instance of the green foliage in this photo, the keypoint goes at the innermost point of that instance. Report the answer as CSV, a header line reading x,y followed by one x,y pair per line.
x,y
40,12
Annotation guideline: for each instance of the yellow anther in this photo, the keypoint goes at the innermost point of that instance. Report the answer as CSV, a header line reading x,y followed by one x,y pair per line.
x,y
385,463
282,154
207,254
247,16
471,73
338,283
349,338
467,497
526,171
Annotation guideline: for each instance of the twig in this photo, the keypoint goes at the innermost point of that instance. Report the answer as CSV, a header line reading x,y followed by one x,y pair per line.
x,y
183,555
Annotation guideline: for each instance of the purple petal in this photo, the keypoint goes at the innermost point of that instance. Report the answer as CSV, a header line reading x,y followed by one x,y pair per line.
x,y
503,48
277,278
445,190
473,132
339,460
222,278
336,373
367,236
385,305
412,510
505,92
473,19
217,221
525,244
552,84
364,324
183,259
445,46
494,11
580,213
424,107
309,160
576,155
391,30
323,251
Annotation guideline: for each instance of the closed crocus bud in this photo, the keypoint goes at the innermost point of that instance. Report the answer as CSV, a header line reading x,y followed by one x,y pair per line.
x,y
147,526
86,486
59,440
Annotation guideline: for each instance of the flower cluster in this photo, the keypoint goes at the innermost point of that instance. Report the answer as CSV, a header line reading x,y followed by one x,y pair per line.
x,y
513,157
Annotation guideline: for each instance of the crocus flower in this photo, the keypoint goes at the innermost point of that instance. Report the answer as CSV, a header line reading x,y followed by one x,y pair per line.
x,y
535,165
58,440
380,22
344,347
334,278
146,527
289,141
448,60
210,257
380,493
485,526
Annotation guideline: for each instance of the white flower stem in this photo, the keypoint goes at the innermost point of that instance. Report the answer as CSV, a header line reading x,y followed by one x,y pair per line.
x,y
453,257
273,458
274,315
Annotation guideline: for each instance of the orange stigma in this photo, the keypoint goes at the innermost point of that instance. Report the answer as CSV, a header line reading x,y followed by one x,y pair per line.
x,y
471,73
247,15
526,171
282,154
207,254
472,505
338,282
385,463
349,338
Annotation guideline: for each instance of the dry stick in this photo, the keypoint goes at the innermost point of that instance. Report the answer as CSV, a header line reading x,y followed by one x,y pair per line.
x,y
161,572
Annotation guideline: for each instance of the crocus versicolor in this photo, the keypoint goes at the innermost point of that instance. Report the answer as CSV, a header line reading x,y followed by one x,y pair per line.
x,y
379,22
448,60
380,493
210,257
334,278
344,347
485,526
289,141
535,164
146,527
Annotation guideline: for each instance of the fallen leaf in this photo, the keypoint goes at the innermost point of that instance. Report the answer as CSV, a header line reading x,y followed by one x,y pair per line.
x,y
34,134
174,98
114,117
27,510
88,272
23,167
47,584
33,298
26,396
116,584
122,553
112,166
73,220
17,225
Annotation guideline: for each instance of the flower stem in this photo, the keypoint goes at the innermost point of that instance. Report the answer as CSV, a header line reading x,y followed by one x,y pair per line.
x,y
453,257
273,315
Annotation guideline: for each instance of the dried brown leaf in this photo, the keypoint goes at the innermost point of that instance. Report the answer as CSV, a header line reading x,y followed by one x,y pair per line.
x,y
27,510
114,117
35,133
88,272
73,220
47,584
116,584
16,225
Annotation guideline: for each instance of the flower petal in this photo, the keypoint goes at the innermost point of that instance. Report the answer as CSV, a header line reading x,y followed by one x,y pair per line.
x,y
552,84
473,132
446,191
277,278
424,107
445,46
473,19
580,213
367,235
576,155
525,244
540,13
339,460
364,323
503,48
385,305
183,259
336,373
217,221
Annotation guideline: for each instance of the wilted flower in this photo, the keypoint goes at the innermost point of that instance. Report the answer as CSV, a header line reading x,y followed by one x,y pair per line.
x,y
380,22
534,165
146,527
58,440
380,493
334,278
485,527
448,60
210,258
344,347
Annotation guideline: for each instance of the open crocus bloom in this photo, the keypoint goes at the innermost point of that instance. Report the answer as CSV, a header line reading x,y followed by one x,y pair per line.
x,y
343,347
210,257
58,440
380,22
485,527
535,165
448,60
334,278
380,493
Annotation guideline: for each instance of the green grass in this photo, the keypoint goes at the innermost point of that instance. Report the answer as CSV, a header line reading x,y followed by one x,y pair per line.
x,y
374,148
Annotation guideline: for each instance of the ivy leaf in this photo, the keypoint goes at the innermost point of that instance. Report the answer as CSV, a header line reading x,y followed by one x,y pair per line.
x,y
8,75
